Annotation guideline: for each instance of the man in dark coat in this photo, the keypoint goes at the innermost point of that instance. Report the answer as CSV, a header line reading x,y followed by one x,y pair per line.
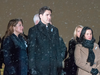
x,y
45,56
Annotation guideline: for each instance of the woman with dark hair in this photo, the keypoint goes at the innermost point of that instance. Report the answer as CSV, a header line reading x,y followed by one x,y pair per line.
x,y
14,49
87,54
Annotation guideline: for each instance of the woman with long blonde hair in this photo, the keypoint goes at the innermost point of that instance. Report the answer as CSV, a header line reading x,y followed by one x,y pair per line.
x,y
71,68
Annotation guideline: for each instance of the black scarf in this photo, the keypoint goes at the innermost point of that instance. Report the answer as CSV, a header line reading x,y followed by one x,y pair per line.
x,y
78,40
89,44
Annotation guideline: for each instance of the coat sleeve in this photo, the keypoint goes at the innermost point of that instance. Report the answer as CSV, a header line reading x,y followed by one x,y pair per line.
x,y
71,49
98,58
63,47
79,61
31,50
60,50
1,58
7,47
63,50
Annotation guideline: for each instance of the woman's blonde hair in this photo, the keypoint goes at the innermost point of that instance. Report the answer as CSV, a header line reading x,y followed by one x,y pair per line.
x,y
11,24
79,26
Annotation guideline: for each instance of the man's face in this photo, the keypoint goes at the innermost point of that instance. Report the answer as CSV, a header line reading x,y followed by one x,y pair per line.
x,y
46,17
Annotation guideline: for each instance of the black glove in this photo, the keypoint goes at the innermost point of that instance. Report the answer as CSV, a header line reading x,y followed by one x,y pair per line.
x,y
94,71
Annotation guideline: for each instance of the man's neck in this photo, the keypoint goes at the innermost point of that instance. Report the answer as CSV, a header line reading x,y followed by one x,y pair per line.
x,y
45,24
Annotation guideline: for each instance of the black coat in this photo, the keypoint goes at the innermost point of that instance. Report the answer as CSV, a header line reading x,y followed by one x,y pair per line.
x,y
44,50
72,68
99,43
15,55
1,58
1,54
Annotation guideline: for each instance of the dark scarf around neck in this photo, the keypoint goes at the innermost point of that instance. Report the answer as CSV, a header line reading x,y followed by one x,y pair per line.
x,y
89,44
78,40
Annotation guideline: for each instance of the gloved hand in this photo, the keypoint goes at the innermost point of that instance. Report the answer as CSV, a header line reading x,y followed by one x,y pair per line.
x,y
94,71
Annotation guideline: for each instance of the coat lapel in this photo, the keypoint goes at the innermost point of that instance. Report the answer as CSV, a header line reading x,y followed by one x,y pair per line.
x,y
43,30
85,51
50,31
19,42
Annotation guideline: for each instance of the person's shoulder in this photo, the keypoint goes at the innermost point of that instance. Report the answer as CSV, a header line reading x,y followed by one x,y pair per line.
x,y
96,45
32,28
8,38
54,27
78,45
72,40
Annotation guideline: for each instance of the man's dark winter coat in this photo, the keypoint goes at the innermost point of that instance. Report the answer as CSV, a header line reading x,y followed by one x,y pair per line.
x,y
45,56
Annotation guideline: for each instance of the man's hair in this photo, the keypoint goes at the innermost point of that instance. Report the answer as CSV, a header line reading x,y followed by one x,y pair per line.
x,y
35,18
43,9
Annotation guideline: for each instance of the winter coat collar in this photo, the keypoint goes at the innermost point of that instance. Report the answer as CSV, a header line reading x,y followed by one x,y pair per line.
x,y
85,50
43,30
18,41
